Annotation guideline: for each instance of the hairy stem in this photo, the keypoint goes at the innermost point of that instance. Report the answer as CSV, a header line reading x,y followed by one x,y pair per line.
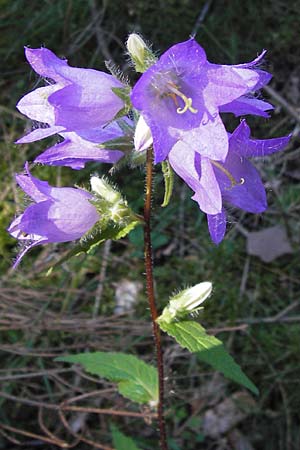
x,y
151,299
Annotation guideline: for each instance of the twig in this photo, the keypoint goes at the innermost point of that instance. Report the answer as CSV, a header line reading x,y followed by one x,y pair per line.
x,y
282,102
201,18
151,298
57,442
99,291
64,407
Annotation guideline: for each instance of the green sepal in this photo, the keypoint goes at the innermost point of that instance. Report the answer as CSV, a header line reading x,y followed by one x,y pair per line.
x,y
169,182
192,336
109,230
148,61
124,94
135,379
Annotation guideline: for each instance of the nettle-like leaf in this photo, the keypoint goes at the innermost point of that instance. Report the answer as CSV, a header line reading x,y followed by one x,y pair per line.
x,y
121,441
192,335
169,181
136,379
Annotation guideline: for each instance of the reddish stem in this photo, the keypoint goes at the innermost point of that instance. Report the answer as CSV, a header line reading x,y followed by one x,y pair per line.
x,y
151,299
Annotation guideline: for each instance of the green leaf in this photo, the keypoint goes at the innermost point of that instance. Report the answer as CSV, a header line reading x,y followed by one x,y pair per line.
x,y
136,380
169,182
112,231
192,335
121,441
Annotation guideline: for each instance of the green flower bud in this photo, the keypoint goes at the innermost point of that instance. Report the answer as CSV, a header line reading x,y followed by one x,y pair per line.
x,y
186,302
140,53
101,187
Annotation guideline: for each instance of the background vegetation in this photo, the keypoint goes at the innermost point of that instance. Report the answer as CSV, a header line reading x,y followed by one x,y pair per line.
x,y
255,306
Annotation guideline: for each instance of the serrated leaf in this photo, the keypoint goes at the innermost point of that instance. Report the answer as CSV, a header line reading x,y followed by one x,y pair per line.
x,y
121,441
136,380
112,231
192,335
169,182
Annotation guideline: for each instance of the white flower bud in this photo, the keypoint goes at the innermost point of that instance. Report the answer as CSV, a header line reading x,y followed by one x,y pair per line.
x,y
186,302
136,48
191,298
102,188
142,136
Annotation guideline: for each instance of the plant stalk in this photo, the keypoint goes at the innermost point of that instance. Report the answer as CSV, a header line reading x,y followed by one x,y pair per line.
x,y
151,298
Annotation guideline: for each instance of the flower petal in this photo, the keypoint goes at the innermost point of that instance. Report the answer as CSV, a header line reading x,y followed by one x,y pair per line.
x,y
35,105
199,176
210,139
76,152
217,226
208,195
39,133
249,192
227,83
38,190
241,143
46,63
247,105
90,104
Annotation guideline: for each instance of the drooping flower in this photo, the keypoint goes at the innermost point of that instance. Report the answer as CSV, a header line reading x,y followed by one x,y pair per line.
x,y
79,148
184,92
234,181
57,214
80,99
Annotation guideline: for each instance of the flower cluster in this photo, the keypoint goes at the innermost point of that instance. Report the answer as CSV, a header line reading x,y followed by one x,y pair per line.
x,y
177,105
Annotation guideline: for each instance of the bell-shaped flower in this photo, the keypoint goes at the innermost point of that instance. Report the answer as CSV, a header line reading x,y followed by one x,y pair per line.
x,y
90,145
57,214
79,99
234,181
184,92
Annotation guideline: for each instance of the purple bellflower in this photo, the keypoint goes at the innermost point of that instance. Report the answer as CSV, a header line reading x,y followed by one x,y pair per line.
x,y
234,181
182,95
78,100
78,149
57,214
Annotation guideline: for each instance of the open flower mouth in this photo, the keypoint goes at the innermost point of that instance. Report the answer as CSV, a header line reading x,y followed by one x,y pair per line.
x,y
175,93
231,178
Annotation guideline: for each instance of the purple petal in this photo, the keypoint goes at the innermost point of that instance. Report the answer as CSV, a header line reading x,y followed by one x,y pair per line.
x,y
217,226
247,105
75,152
248,193
255,61
39,133
38,190
210,139
241,143
90,104
46,63
199,176
26,249
226,83
107,133
264,77
35,105
208,195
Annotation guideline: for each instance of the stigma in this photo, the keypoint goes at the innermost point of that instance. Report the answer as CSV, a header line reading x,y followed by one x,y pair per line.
x,y
229,175
187,100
